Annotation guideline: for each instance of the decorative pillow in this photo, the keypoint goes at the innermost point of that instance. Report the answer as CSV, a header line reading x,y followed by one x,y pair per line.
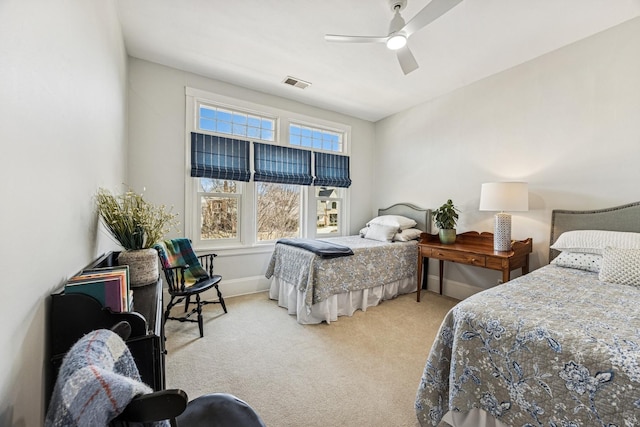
x,y
620,265
399,221
594,241
407,235
383,233
579,261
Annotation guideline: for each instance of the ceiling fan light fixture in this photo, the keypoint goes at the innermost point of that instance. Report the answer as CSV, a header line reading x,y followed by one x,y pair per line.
x,y
396,41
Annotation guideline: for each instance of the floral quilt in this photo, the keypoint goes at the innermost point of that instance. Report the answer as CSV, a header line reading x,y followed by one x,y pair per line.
x,y
372,264
554,348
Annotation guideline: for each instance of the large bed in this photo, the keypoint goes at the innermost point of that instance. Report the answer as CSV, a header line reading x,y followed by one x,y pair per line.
x,y
317,289
557,347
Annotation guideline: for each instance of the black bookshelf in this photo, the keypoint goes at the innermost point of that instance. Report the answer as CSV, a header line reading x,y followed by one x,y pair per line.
x,y
74,315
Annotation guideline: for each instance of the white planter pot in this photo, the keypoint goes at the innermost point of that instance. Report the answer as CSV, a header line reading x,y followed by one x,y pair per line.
x,y
143,266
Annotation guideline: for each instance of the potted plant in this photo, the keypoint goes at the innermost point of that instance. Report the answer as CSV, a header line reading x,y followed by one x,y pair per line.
x,y
136,225
445,218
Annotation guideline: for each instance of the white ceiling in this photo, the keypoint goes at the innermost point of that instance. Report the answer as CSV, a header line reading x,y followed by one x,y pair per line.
x,y
257,43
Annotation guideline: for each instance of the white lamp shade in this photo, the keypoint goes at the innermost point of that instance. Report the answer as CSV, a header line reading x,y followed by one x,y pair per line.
x,y
504,196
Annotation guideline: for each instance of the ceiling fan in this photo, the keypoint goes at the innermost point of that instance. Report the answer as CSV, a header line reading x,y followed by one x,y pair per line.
x,y
399,32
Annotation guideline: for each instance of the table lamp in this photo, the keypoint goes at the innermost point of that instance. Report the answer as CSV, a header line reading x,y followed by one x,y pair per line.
x,y
503,196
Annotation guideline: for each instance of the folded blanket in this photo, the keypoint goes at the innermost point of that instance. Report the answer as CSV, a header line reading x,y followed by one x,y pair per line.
x,y
97,380
321,248
178,252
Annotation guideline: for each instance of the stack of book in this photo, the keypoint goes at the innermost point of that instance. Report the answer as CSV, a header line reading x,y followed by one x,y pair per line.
x,y
109,285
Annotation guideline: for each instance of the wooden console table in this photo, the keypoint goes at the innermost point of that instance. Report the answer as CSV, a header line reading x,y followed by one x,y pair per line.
x,y
473,248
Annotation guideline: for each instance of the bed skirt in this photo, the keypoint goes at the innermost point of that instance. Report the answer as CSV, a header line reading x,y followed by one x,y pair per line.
x,y
344,304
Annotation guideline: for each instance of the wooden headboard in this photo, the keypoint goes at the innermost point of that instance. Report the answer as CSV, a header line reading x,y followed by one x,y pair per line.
x,y
619,218
419,215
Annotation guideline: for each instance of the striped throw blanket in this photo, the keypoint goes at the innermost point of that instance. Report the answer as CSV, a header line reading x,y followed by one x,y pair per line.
x,y
97,380
178,252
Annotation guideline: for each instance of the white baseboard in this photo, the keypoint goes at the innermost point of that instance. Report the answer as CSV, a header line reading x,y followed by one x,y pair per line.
x,y
235,287
453,289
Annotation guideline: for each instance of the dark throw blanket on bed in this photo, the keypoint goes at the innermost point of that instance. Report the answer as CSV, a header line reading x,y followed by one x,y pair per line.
x,y
319,247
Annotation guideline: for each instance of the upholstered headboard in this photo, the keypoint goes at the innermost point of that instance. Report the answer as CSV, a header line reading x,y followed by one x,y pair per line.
x,y
419,215
619,218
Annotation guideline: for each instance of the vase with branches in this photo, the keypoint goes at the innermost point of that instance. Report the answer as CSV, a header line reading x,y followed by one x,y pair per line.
x,y
137,226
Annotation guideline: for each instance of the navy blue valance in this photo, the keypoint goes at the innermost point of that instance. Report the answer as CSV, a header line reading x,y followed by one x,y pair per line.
x,y
219,157
332,170
274,163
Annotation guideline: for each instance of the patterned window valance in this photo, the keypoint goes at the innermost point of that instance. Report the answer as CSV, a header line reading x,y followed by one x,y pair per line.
x,y
219,157
274,163
332,170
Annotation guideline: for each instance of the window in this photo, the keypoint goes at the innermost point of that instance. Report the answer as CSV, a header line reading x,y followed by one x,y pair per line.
x,y
235,122
220,202
257,174
316,138
328,201
278,210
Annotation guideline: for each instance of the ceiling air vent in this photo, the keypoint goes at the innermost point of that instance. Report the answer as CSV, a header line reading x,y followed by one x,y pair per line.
x,y
292,81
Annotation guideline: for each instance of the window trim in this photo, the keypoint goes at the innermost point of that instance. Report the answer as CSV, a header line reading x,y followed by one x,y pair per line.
x,y
247,221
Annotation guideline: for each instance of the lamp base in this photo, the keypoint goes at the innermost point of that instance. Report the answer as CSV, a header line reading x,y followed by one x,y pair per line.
x,y
502,232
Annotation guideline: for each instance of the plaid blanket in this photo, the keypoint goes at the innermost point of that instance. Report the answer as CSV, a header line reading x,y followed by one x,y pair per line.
x,y
97,380
178,252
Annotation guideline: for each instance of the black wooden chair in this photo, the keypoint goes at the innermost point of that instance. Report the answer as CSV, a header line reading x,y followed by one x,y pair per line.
x,y
188,275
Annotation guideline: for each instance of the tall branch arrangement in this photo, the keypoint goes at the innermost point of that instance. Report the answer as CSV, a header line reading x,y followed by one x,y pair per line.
x,y
132,221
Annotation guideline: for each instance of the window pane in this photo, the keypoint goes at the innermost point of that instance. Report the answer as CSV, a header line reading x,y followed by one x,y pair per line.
x,y
327,217
253,132
254,121
315,138
224,127
239,118
207,124
221,120
207,112
219,218
224,115
239,129
278,211
209,185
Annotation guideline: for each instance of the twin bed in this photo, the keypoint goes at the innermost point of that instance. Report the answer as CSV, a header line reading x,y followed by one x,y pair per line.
x,y
557,347
320,289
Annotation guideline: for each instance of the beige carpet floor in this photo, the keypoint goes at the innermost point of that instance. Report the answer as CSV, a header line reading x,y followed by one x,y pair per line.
x,y
362,370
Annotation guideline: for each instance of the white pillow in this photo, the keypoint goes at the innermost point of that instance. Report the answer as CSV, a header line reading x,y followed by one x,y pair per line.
x,y
579,261
383,233
399,221
594,241
620,266
407,235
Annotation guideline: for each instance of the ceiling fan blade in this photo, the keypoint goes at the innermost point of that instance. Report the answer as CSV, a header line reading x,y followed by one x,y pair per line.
x,y
428,14
407,62
355,39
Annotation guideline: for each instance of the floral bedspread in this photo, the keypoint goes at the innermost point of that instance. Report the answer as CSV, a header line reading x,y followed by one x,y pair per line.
x,y
373,263
554,348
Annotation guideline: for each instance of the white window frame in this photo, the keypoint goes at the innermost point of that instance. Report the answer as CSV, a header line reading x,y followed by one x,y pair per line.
x,y
196,238
341,217
247,221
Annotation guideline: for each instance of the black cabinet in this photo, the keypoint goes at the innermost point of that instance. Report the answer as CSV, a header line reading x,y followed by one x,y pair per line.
x,y
74,315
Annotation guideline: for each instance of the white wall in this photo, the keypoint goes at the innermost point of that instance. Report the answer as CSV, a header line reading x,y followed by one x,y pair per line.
x,y
63,134
566,122
157,155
